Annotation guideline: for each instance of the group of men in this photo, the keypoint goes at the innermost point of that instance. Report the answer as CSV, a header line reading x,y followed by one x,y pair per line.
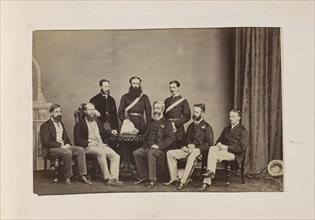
x,y
163,136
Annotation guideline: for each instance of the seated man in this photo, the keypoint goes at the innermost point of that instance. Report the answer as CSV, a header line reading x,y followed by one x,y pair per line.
x,y
231,144
157,140
199,137
90,134
56,144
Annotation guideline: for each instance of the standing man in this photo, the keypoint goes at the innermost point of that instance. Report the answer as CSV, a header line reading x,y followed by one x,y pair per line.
x,y
199,137
134,105
177,111
157,141
56,144
231,145
90,134
106,105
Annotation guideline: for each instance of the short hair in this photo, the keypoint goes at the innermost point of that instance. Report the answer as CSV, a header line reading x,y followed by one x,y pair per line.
x,y
237,111
135,77
176,82
82,107
159,102
103,80
53,107
202,106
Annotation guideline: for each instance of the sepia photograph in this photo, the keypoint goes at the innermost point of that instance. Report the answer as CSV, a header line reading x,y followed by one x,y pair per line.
x,y
157,110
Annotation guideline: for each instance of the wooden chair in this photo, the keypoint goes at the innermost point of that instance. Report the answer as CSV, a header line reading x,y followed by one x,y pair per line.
x,y
200,164
54,167
227,165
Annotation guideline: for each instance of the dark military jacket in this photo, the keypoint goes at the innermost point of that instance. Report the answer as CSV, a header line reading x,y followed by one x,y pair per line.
x,y
202,138
142,106
181,113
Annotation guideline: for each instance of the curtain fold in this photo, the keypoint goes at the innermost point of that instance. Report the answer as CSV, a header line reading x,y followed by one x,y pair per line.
x,y
257,93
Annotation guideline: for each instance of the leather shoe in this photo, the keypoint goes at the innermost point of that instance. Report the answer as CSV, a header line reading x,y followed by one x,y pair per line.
x,y
150,184
170,182
114,182
181,186
203,186
208,173
85,180
68,182
141,180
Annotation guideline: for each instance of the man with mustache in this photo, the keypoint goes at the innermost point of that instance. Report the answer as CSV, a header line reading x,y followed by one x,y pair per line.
x,y
106,106
177,111
157,140
231,145
134,105
56,144
199,137
91,135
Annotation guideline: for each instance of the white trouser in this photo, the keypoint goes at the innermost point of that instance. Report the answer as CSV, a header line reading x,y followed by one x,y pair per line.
x,y
216,155
103,153
174,155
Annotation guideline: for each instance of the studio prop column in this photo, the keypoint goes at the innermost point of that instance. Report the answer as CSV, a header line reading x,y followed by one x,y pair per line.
x,y
40,115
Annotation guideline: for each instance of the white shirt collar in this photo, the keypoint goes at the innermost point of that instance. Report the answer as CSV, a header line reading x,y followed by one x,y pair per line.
x,y
105,95
176,95
233,126
197,122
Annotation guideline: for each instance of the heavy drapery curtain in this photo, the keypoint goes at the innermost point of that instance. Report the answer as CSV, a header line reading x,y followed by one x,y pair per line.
x,y
257,93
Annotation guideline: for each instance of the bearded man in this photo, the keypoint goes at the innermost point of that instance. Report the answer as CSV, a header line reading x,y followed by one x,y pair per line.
x,y
157,140
199,137
106,106
56,144
134,105
92,136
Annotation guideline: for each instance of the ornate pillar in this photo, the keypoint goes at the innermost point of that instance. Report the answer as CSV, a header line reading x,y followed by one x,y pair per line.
x,y
40,115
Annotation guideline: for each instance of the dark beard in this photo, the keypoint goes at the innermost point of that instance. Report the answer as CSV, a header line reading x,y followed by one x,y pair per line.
x,y
196,118
58,118
134,93
103,93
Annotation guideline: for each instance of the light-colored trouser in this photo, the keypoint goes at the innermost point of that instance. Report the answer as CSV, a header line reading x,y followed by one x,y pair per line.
x,y
103,153
216,155
174,155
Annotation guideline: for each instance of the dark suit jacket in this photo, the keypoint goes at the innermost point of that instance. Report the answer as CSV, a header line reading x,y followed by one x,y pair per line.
x,y
81,133
165,134
203,138
236,139
48,136
104,105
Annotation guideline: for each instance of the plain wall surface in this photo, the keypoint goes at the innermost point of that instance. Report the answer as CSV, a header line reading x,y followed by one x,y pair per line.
x,y
72,63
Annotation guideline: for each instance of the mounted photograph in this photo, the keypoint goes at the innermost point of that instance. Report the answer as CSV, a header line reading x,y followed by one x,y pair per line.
x,y
157,110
